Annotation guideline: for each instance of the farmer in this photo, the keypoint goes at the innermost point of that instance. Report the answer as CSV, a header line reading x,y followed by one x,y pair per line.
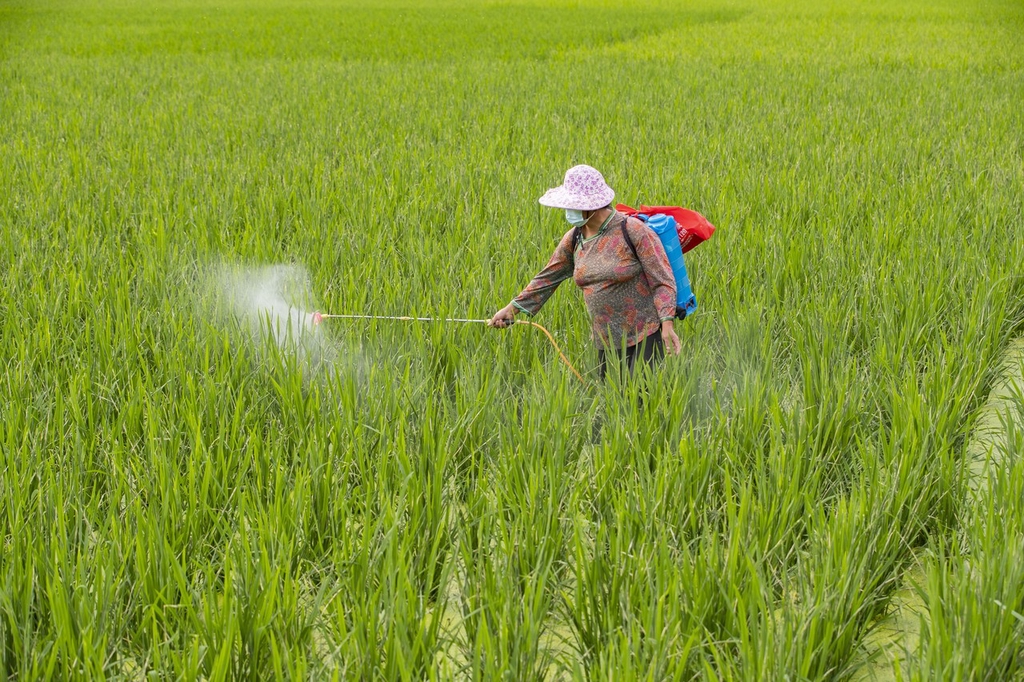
x,y
631,298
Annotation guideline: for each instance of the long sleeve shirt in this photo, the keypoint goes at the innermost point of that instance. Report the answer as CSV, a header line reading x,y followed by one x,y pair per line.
x,y
627,298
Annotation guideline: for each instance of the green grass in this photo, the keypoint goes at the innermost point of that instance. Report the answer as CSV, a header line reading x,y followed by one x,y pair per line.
x,y
974,584
179,498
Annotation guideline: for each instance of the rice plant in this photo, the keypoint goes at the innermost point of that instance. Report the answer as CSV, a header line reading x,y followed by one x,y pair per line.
x,y
198,483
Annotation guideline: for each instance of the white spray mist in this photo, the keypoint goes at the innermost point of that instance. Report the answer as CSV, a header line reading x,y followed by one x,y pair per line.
x,y
275,303
271,299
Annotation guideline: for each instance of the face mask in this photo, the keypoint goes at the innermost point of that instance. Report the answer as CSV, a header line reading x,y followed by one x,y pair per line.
x,y
575,217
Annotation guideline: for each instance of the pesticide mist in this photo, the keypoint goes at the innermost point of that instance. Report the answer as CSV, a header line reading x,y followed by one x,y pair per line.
x,y
273,307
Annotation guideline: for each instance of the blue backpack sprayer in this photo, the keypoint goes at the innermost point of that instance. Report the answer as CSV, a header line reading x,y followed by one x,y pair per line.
x,y
665,227
679,230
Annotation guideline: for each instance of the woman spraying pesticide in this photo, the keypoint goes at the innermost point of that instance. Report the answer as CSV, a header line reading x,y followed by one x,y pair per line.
x,y
620,265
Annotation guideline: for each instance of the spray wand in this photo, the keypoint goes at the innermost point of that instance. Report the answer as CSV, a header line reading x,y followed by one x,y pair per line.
x,y
320,317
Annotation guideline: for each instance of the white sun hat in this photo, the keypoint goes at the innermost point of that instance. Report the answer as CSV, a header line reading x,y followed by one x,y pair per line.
x,y
583,189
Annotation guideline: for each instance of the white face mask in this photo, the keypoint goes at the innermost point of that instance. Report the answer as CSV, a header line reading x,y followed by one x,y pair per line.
x,y
575,217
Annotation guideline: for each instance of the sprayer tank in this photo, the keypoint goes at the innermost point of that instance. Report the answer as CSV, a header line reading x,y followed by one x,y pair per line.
x,y
665,227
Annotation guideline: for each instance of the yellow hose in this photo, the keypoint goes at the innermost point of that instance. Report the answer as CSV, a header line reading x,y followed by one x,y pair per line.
x,y
557,349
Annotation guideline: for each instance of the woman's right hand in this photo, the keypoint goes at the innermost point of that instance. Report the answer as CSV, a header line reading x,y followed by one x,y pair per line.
x,y
504,317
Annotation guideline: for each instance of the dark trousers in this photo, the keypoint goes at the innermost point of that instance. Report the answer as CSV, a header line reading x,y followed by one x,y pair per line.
x,y
650,351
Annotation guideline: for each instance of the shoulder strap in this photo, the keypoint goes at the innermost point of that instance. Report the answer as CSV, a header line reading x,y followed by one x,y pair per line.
x,y
629,242
632,247
574,242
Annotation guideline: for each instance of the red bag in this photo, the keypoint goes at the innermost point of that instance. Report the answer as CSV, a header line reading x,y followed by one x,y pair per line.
x,y
693,228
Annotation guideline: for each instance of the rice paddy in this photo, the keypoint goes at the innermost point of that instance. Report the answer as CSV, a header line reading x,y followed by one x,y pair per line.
x,y
197,484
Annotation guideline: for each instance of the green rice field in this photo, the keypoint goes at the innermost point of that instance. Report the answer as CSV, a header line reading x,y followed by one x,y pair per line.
x,y
195,484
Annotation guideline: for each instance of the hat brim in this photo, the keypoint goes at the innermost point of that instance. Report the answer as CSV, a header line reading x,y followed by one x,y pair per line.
x,y
560,197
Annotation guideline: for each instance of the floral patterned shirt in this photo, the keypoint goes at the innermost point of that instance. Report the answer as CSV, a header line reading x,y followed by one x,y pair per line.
x,y
626,298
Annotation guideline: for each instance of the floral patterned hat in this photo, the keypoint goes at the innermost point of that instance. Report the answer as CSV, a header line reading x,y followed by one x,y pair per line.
x,y
583,189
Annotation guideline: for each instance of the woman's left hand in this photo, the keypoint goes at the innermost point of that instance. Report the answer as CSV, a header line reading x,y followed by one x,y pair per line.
x,y
668,336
